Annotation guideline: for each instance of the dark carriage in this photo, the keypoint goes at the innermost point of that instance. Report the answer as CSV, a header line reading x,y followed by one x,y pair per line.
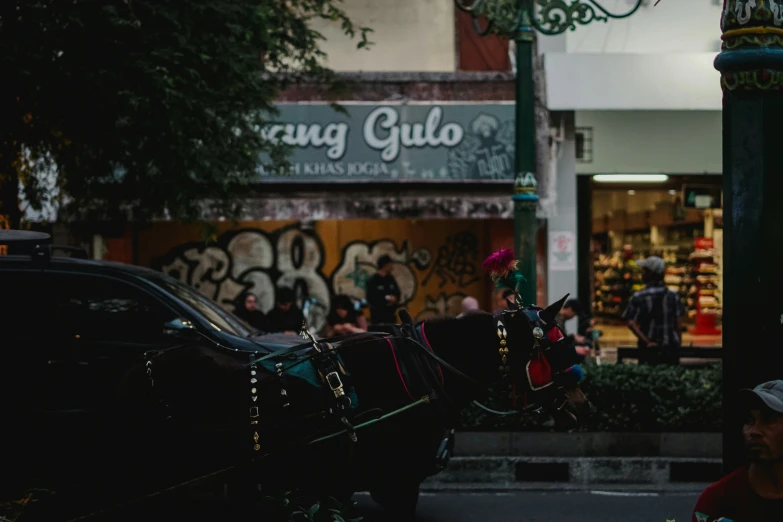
x,y
130,382
368,411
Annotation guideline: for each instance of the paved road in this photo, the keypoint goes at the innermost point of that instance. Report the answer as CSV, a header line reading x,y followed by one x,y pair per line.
x,y
523,506
520,506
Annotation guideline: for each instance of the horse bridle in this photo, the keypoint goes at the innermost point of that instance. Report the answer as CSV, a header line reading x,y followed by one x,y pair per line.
x,y
539,328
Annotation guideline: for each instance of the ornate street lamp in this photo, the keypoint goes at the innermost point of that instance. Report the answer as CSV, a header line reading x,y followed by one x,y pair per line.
x,y
517,20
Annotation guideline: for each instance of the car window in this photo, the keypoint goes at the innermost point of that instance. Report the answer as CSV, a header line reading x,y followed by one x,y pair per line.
x,y
24,303
208,309
94,308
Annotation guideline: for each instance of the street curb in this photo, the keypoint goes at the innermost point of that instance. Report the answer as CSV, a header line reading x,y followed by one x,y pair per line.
x,y
686,488
513,472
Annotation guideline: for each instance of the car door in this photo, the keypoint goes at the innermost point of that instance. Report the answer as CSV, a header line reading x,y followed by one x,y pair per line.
x,y
26,343
105,325
30,387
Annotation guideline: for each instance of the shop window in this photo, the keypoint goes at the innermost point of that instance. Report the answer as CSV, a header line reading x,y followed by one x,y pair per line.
x,y
584,145
633,222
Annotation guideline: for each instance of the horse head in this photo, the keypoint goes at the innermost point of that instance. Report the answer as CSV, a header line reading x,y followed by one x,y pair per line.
x,y
537,366
536,363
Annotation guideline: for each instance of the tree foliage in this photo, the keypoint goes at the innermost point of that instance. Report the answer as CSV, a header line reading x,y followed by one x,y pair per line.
x,y
146,108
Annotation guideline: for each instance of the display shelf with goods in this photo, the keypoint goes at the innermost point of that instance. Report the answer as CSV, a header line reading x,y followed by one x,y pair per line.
x,y
630,223
618,277
717,238
705,292
678,277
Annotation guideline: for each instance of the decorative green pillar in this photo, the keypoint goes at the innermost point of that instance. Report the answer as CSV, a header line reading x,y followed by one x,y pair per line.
x,y
751,67
525,194
519,20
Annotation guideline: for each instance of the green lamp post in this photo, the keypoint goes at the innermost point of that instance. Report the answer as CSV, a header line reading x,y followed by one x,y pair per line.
x,y
517,20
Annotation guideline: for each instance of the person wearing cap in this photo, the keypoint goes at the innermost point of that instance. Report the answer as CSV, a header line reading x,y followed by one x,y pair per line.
x,y
654,315
754,492
383,293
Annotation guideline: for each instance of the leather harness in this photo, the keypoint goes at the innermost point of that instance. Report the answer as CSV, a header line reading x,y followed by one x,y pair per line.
x,y
421,372
423,362
547,336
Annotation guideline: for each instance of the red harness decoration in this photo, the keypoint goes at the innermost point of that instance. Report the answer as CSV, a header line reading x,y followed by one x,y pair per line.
x,y
539,371
554,334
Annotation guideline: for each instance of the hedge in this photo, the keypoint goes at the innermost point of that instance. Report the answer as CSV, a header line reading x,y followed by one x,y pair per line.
x,y
630,398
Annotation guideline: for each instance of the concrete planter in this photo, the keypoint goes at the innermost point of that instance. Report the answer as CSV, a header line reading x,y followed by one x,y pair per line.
x,y
598,444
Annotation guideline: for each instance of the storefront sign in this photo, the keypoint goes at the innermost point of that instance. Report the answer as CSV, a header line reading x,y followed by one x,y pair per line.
x,y
562,251
395,142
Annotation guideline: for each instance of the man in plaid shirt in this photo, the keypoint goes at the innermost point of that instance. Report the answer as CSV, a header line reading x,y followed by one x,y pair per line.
x,y
654,316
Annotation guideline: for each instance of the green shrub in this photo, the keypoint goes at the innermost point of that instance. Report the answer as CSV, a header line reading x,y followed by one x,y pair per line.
x,y
630,398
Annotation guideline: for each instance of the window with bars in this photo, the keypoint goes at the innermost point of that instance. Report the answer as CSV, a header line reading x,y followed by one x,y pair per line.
x,y
584,144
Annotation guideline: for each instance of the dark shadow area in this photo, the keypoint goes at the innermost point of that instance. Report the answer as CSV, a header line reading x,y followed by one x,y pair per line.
x,y
542,472
695,471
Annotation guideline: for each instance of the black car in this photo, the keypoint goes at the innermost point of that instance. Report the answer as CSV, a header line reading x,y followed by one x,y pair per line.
x,y
70,330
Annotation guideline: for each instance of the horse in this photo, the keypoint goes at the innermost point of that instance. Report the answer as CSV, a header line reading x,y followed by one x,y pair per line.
x,y
365,412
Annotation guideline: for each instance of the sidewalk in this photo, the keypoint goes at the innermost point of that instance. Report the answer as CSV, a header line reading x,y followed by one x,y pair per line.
x,y
545,487
505,461
584,471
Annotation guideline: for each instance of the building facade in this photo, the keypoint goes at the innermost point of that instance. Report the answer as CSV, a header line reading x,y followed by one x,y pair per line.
x,y
421,166
647,106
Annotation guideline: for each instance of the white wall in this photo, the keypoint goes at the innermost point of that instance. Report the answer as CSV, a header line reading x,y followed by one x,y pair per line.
x,y
409,35
673,26
562,282
659,58
673,142
632,81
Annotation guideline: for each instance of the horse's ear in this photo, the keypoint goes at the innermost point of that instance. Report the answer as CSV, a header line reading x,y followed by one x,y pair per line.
x,y
552,310
512,305
405,316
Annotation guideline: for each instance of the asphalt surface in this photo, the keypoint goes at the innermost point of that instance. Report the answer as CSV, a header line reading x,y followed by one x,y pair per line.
x,y
596,505
554,506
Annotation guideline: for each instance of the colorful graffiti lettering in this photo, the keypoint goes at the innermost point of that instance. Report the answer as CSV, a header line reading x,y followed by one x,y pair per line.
x,y
433,281
359,262
255,261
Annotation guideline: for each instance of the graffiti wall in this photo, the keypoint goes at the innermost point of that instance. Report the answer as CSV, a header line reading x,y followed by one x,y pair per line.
x,y
436,262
